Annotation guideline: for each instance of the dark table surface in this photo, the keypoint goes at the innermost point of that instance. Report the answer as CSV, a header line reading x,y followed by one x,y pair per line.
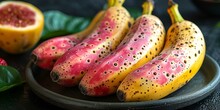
x,y
22,97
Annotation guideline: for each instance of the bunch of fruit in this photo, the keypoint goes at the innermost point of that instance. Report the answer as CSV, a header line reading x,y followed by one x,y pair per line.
x,y
131,58
136,59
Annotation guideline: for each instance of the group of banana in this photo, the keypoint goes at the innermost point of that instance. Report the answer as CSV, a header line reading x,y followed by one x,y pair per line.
x,y
135,59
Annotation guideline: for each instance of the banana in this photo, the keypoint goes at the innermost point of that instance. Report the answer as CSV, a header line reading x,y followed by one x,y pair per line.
x,y
70,68
46,54
177,64
143,42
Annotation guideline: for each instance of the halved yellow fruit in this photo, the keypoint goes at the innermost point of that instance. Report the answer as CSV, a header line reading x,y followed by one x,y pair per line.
x,y
21,25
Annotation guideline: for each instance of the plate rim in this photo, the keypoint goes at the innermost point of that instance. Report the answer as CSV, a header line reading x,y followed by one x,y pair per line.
x,y
60,100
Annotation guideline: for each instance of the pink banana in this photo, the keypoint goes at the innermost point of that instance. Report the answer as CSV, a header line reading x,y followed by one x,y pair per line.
x,y
46,54
143,42
176,65
70,68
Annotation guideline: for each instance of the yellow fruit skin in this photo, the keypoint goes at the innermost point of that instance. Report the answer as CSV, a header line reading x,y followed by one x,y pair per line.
x,y
14,41
18,40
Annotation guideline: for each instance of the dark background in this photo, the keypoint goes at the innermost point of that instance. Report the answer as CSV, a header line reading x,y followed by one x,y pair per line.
x,y
22,98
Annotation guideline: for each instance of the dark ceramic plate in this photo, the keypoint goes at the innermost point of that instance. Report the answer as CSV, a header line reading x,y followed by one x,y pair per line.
x,y
198,88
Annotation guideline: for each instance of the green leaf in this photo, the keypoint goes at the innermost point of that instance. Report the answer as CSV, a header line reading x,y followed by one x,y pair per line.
x,y
218,25
59,24
9,77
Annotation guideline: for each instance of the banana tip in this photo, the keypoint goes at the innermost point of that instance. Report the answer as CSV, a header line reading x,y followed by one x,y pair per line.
x,y
121,95
34,58
54,76
82,89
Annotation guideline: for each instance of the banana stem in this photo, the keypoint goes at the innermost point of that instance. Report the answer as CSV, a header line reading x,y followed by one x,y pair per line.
x,y
111,3
148,7
118,2
174,12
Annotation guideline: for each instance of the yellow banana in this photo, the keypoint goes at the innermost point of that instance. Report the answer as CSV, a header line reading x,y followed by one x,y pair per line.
x,y
144,41
176,65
